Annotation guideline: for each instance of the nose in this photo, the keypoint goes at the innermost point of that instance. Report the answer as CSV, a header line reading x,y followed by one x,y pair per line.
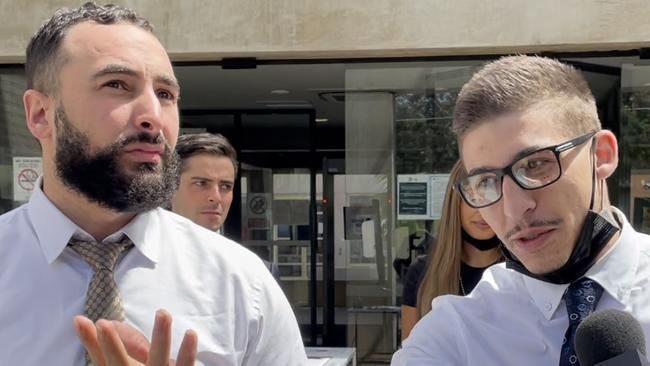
x,y
148,112
214,195
516,200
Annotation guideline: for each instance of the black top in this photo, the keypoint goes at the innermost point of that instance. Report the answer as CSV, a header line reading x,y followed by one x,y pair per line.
x,y
469,275
412,281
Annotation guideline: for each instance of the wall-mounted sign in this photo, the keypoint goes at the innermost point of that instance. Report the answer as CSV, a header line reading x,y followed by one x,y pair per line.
x,y
420,196
439,184
26,173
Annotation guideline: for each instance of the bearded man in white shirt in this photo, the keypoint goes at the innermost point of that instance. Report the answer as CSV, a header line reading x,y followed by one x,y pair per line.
x,y
537,161
102,100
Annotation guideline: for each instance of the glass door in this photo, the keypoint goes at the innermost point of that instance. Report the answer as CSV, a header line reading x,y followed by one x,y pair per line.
x,y
634,171
278,201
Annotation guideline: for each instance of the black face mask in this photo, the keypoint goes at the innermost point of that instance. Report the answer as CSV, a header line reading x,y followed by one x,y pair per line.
x,y
596,232
482,245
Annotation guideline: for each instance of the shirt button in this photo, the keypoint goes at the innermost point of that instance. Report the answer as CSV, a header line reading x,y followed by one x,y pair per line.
x,y
544,347
548,306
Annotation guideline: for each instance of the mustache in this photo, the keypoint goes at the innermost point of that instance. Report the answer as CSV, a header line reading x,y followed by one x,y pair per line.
x,y
213,208
142,137
535,223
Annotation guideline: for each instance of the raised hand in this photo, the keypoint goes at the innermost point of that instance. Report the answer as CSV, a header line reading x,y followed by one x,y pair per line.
x,y
111,343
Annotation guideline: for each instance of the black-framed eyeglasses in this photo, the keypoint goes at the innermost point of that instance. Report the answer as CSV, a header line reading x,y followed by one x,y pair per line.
x,y
535,170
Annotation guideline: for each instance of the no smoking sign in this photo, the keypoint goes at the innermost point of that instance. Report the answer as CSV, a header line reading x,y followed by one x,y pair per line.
x,y
27,179
26,173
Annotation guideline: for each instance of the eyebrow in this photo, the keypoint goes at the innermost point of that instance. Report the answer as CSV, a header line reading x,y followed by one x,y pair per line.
x,y
201,178
522,153
112,69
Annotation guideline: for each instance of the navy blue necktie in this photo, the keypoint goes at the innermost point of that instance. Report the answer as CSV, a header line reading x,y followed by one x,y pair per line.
x,y
581,298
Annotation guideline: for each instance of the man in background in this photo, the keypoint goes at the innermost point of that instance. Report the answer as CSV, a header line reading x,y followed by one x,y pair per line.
x,y
208,169
207,178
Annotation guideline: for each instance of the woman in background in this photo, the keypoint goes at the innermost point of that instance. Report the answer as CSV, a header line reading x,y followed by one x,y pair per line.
x,y
465,247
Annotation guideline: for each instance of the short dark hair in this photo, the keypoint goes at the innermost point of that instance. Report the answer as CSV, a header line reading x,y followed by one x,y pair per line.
x,y
516,83
205,143
43,56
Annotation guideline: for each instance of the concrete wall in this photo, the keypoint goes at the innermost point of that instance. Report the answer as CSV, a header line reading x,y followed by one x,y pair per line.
x,y
284,29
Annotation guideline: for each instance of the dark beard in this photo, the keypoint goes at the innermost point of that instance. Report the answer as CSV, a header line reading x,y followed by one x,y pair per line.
x,y
100,178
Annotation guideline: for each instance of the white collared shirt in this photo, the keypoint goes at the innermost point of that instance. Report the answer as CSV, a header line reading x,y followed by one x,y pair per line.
x,y
207,282
513,319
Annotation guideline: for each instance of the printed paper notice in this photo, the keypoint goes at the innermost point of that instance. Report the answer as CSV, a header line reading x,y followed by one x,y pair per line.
x,y
413,197
420,196
438,188
26,173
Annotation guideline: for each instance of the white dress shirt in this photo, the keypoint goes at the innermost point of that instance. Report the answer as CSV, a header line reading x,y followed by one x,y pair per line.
x,y
207,282
513,319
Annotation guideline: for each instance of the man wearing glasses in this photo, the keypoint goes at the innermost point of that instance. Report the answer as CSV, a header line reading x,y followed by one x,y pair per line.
x,y
537,162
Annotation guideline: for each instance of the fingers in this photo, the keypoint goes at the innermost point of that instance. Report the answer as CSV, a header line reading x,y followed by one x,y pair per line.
x,y
111,345
188,350
161,339
136,344
87,334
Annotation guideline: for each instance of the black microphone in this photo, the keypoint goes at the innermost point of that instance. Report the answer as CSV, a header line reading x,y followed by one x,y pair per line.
x,y
610,338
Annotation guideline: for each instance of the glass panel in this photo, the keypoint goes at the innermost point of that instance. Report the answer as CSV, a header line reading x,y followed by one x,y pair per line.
x,y
209,122
635,142
291,130
364,195
19,150
275,202
275,225
398,120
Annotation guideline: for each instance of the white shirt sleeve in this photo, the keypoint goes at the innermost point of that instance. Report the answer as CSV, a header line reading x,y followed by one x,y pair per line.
x,y
433,341
276,338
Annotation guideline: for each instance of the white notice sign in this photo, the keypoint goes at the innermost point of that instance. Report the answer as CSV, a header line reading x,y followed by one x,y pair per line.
x,y
438,188
26,172
420,196
413,197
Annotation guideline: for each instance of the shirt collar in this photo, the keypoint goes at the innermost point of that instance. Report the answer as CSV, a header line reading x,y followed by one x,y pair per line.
x,y
546,296
614,272
54,229
145,233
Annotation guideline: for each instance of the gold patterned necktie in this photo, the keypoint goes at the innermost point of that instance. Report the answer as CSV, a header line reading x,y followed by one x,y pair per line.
x,y
103,297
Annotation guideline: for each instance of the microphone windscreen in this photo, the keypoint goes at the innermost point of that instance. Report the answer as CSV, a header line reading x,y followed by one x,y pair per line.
x,y
607,334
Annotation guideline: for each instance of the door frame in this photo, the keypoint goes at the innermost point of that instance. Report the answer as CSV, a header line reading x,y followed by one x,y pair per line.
x,y
233,225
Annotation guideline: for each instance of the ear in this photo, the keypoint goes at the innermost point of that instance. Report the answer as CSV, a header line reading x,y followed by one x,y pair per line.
x,y
39,113
606,154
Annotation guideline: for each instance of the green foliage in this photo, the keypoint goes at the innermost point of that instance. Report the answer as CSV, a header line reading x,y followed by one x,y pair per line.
x,y
424,141
636,128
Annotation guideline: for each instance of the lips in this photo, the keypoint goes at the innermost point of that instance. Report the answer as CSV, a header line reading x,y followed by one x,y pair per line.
x,y
145,153
211,212
481,224
145,148
533,239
